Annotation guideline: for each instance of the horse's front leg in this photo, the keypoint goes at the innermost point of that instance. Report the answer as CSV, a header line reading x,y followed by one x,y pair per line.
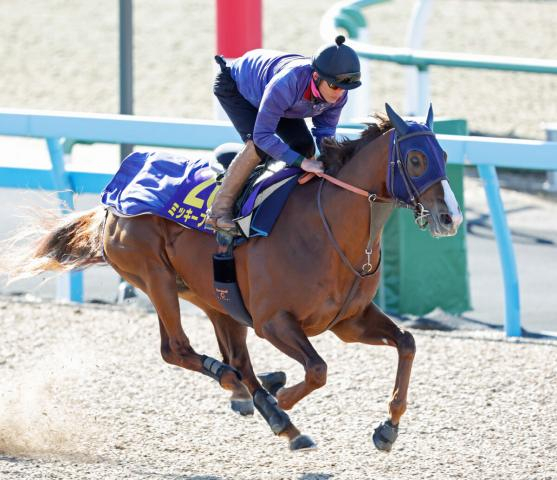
x,y
373,327
284,332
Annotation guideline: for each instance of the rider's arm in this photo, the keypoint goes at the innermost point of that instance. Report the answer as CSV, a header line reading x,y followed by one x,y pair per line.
x,y
279,95
325,124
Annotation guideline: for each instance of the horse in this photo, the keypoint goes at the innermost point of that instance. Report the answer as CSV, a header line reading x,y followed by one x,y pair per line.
x,y
299,282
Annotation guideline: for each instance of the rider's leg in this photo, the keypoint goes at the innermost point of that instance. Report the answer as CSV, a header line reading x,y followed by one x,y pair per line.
x,y
242,114
220,214
295,133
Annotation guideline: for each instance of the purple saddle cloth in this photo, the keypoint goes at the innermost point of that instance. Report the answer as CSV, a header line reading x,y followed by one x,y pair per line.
x,y
180,189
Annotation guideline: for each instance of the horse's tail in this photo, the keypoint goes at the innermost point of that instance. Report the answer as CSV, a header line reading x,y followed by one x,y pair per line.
x,y
59,244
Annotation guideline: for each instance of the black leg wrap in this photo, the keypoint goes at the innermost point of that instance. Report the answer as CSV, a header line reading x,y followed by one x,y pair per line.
x,y
215,369
385,435
272,381
267,406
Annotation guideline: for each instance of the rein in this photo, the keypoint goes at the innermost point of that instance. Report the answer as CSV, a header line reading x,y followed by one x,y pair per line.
x,y
367,268
339,183
420,214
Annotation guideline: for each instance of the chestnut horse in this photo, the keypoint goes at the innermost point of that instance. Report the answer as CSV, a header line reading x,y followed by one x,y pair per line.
x,y
318,270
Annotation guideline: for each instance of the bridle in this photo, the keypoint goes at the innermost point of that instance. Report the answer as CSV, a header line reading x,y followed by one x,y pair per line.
x,y
420,214
396,161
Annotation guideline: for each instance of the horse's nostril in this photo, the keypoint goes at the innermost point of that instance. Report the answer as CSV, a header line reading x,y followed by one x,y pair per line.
x,y
446,219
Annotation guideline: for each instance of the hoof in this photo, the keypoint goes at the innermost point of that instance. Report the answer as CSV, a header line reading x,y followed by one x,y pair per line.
x,y
302,442
385,435
243,407
272,381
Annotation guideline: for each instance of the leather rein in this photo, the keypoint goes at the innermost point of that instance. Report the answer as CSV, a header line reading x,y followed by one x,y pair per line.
x,y
420,213
367,269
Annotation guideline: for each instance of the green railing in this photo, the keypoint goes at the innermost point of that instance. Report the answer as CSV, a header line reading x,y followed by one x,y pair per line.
x,y
348,15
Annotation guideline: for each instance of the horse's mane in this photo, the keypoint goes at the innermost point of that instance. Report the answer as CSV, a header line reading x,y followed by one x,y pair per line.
x,y
335,153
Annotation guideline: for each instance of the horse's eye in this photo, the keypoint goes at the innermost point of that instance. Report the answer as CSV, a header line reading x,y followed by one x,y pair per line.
x,y
415,161
445,156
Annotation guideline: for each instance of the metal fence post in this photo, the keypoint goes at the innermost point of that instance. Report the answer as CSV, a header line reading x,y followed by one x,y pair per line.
x,y
417,79
358,105
488,174
126,66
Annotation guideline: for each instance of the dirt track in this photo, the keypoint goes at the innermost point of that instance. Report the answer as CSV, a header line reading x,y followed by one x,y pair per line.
x,y
85,394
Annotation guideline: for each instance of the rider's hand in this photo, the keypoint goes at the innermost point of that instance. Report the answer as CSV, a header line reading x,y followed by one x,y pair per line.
x,y
312,165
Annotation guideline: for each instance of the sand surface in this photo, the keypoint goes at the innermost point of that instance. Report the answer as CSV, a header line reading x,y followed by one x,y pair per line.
x,y
85,394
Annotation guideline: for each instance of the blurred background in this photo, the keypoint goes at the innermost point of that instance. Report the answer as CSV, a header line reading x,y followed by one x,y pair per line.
x,y
63,55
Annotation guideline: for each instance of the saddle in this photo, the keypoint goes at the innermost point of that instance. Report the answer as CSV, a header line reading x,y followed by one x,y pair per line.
x,y
179,189
174,187
263,197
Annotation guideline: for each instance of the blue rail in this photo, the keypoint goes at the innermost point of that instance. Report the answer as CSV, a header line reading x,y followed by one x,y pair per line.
x,y
55,127
486,153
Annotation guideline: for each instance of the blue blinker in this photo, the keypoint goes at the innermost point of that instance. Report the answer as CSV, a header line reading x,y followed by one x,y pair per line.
x,y
409,136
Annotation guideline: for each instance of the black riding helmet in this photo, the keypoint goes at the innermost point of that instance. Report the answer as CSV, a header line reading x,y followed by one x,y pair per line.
x,y
338,65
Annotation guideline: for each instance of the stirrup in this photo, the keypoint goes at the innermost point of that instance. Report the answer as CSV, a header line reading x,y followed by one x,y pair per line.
x,y
213,222
233,231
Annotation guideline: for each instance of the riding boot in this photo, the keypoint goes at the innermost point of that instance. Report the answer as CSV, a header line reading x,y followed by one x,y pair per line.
x,y
219,216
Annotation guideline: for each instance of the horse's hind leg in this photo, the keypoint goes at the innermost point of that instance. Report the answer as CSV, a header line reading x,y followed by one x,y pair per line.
x,y
175,345
159,283
231,338
373,327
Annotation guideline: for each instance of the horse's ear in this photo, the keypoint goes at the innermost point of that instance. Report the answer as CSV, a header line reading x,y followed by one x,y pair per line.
x,y
400,125
429,121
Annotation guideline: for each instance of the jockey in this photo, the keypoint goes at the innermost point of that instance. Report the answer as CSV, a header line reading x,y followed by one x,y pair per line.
x,y
267,94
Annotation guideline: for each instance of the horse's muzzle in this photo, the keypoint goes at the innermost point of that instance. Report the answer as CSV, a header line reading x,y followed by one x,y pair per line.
x,y
444,224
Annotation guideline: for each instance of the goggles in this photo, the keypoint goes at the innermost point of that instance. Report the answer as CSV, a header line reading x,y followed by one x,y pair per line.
x,y
344,78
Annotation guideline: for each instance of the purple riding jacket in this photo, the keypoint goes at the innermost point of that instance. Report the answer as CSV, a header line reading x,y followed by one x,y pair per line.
x,y
275,83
